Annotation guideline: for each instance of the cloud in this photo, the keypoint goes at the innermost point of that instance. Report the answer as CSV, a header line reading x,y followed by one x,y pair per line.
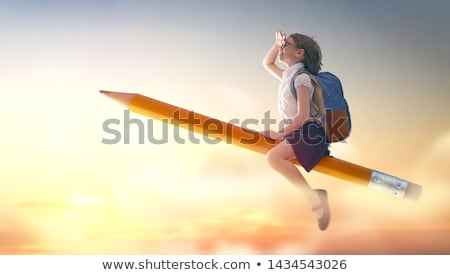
x,y
232,205
434,163
431,171
15,236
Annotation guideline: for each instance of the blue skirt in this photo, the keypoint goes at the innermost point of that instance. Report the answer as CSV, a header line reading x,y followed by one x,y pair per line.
x,y
310,144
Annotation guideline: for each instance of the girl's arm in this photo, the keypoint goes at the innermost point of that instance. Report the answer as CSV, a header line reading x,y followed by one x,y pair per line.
x,y
303,99
271,56
303,104
269,62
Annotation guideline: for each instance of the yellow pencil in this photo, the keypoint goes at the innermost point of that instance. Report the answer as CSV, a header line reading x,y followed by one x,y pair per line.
x,y
257,142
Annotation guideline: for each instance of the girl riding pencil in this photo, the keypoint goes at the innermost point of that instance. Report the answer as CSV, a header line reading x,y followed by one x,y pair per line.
x,y
303,136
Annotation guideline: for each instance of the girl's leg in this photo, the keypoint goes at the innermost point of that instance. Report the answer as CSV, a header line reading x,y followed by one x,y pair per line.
x,y
279,159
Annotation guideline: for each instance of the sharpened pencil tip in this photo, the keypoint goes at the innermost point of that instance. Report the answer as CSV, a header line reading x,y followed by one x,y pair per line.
x,y
123,98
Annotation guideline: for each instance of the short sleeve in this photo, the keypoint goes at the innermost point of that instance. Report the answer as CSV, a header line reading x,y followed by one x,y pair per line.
x,y
304,80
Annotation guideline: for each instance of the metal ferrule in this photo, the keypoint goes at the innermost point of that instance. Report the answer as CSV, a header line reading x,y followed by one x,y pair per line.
x,y
388,184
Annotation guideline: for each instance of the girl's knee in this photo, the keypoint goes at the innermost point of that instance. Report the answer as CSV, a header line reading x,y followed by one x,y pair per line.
x,y
279,154
273,158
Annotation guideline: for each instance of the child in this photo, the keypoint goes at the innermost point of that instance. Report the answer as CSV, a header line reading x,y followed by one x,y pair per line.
x,y
303,137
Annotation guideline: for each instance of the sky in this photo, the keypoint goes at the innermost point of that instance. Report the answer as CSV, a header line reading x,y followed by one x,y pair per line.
x,y
64,191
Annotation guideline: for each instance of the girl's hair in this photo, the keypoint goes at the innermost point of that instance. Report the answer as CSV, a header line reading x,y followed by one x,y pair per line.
x,y
313,54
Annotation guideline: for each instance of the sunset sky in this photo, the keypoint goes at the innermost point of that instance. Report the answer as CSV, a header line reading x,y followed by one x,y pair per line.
x,y
63,191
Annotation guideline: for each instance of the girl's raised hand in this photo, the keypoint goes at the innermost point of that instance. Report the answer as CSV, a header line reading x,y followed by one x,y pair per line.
x,y
280,37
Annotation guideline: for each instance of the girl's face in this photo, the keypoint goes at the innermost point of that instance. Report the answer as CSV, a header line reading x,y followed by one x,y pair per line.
x,y
289,54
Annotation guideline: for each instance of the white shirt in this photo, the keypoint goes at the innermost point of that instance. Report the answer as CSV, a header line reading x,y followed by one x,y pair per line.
x,y
287,104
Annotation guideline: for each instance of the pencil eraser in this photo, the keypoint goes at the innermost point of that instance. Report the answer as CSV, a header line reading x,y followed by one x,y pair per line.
x,y
413,191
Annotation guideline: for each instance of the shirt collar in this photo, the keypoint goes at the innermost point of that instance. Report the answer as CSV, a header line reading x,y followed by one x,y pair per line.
x,y
293,69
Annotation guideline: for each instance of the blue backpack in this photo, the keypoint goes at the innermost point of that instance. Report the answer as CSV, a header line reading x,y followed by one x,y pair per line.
x,y
337,119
